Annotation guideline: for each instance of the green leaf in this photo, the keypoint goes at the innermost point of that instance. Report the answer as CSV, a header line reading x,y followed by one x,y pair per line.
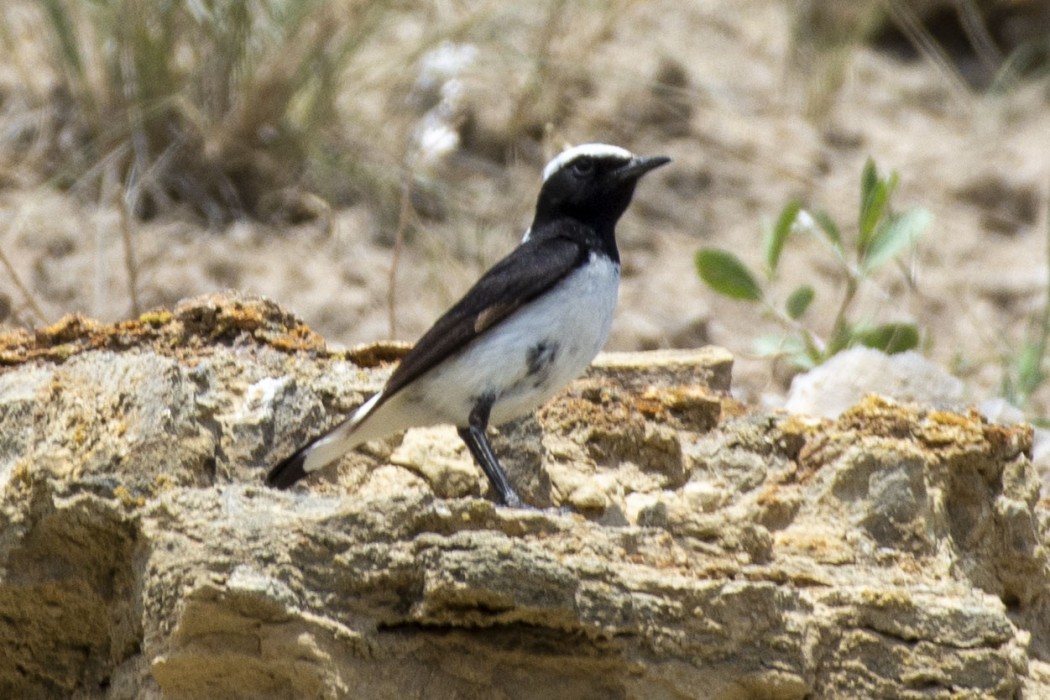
x,y
875,195
894,236
831,231
774,345
796,349
799,301
842,336
1029,370
871,212
869,180
787,346
778,235
724,273
869,194
889,337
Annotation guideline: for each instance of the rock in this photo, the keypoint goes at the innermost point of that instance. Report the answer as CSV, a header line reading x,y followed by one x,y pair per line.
x,y
440,457
708,366
830,388
895,551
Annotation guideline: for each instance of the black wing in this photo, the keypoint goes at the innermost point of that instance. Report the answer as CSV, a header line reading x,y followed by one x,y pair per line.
x,y
532,268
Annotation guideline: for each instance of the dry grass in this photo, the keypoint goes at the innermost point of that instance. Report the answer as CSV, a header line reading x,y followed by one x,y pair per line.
x,y
984,45
238,108
210,106
279,110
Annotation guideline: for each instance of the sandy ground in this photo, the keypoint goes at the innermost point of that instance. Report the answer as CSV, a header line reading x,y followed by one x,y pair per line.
x,y
734,121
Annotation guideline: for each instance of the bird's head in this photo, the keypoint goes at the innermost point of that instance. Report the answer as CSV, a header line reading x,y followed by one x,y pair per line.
x,y
592,183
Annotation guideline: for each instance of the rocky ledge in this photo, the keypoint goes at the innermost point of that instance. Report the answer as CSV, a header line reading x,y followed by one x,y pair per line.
x,y
711,552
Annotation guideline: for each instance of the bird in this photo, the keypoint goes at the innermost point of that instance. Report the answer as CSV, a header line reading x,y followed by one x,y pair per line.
x,y
530,325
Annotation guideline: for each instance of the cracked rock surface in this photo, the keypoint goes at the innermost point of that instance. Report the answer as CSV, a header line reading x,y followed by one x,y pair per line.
x,y
707,551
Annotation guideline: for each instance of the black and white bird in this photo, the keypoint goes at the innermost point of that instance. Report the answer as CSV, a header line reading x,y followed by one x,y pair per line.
x,y
527,328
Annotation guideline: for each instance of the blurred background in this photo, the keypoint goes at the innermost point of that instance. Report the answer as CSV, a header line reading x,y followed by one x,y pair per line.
x,y
363,161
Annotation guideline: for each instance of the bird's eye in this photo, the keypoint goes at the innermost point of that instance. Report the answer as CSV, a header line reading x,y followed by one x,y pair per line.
x,y
582,167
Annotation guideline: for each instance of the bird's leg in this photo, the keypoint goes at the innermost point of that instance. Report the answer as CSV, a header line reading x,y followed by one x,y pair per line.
x,y
474,435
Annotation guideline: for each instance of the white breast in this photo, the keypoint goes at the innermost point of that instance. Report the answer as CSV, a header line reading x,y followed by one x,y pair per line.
x,y
571,321
576,316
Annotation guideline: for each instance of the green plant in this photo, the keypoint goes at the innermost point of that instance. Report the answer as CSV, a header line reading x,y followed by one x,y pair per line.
x,y
881,236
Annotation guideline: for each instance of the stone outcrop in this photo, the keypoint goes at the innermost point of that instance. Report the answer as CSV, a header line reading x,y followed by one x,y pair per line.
x,y
700,551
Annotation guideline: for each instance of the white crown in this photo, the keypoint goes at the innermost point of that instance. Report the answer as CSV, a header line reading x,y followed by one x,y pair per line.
x,y
594,150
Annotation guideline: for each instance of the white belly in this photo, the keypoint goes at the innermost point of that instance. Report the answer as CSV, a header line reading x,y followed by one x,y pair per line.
x,y
524,360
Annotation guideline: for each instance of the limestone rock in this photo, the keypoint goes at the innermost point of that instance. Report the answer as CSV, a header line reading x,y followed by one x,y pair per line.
x,y
895,551
832,387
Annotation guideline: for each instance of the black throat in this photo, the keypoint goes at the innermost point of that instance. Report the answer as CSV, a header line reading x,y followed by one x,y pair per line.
x,y
598,237
586,202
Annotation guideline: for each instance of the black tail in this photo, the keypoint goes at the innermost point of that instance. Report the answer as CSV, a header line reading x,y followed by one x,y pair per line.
x,y
290,470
